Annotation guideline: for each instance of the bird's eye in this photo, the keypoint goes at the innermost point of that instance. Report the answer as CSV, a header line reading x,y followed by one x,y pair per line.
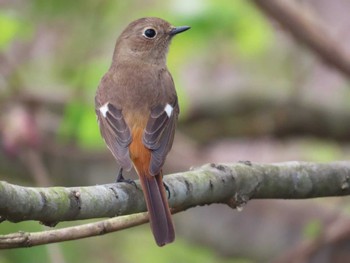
x,y
149,33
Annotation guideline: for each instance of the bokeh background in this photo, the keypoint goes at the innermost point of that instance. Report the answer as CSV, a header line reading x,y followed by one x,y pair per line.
x,y
247,91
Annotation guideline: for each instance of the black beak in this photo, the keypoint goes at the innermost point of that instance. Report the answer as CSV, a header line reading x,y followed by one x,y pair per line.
x,y
179,29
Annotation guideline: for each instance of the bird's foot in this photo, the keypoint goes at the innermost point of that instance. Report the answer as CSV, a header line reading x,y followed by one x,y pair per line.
x,y
121,179
167,189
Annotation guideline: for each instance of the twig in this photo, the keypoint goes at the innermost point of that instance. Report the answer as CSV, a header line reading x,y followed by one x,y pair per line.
x,y
25,239
307,31
338,230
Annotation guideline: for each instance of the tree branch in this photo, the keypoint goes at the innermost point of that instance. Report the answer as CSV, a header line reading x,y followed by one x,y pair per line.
x,y
213,183
25,239
244,115
306,30
233,184
331,236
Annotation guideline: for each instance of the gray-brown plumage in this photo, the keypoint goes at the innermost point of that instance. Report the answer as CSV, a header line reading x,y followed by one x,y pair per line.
x,y
137,110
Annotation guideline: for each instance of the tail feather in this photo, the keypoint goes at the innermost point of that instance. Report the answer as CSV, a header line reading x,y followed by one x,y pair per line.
x,y
158,209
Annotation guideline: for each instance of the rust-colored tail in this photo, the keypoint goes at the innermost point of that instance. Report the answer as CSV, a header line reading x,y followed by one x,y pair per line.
x,y
158,209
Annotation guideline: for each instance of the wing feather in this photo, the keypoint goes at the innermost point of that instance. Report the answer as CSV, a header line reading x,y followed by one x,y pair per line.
x,y
116,134
159,134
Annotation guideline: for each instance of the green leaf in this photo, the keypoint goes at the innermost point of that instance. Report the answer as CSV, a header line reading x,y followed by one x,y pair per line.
x,y
313,229
79,125
9,28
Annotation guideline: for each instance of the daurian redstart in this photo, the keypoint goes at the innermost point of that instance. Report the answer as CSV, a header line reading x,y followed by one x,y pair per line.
x,y
137,109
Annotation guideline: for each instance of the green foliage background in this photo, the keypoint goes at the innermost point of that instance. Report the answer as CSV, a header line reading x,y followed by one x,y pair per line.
x,y
88,30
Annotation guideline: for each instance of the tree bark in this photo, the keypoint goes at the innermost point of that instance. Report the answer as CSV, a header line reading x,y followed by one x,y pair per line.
x,y
233,184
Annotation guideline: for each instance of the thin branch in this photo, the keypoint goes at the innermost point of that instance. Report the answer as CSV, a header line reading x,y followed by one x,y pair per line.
x,y
25,239
233,184
305,29
337,231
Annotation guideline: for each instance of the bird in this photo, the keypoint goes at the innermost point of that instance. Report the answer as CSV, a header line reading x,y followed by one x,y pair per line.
x,y
137,110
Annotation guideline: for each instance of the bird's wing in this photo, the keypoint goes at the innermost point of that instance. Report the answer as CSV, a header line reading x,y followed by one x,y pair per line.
x,y
159,133
115,132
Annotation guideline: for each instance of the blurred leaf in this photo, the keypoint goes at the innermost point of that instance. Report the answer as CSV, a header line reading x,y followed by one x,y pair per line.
x,y
253,34
10,26
237,20
322,151
180,251
51,8
89,74
79,121
313,229
80,126
88,133
71,121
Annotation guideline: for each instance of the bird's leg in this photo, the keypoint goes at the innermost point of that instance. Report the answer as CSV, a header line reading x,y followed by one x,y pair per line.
x,y
121,179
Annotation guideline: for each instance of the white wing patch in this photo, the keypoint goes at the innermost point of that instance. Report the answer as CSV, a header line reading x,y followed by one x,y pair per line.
x,y
104,109
169,110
